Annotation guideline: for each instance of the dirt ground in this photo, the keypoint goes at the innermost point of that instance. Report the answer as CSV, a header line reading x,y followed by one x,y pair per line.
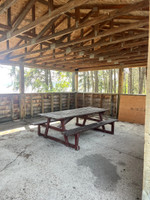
x,y
107,167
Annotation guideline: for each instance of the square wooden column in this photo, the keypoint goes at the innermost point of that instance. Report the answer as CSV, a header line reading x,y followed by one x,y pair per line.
x,y
21,80
146,172
120,88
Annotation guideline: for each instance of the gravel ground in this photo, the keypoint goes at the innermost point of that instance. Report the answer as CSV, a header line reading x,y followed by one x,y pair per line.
x,y
106,167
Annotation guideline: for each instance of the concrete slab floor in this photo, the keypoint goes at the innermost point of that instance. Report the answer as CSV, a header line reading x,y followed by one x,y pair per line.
x,y
107,167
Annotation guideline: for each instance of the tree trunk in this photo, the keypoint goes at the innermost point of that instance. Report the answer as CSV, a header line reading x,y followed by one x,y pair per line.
x,y
141,79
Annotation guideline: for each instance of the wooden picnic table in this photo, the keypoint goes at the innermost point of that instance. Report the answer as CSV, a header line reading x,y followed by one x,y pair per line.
x,y
66,116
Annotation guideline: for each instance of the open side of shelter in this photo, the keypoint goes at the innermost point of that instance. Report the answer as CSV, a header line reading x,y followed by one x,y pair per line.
x,y
78,35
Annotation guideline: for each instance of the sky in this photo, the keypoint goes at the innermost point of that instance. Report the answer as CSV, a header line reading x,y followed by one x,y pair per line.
x,y
5,79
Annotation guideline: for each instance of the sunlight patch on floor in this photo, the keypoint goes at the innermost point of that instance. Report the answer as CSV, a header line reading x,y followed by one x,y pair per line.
x,y
12,131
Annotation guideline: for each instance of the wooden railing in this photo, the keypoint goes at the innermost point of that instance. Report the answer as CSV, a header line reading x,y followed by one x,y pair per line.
x,y
16,106
108,101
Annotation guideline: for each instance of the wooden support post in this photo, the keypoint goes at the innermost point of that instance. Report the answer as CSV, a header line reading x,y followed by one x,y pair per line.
x,y
31,105
83,100
52,102
68,102
101,101
92,99
21,87
76,100
42,103
12,107
21,79
146,173
60,101
120,88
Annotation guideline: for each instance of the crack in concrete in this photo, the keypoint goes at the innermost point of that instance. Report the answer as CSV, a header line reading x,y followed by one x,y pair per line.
x,y
6,166
23,151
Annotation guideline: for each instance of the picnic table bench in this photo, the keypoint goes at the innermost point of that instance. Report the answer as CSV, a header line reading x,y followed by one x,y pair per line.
x,y
65,116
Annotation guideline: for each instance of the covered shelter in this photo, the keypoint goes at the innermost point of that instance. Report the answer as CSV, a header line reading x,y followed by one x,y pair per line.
x,y
77,36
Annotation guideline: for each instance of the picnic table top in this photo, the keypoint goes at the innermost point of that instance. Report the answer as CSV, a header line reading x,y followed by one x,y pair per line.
x,y
73,113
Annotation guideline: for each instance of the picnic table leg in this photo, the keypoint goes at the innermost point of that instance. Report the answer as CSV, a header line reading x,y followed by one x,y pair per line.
x,y
83,123
77,120
63,129
77,141
112,128
47,127
101,119
39,129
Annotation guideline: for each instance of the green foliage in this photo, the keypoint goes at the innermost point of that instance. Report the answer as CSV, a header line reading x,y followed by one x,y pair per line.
x,y
38,80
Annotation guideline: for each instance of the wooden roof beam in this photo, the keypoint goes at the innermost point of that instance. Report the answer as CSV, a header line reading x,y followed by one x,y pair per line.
x,y
49,16
20,18
7,4
100,35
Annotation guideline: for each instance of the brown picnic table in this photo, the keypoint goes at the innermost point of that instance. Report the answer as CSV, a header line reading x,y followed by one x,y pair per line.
x,y
65,116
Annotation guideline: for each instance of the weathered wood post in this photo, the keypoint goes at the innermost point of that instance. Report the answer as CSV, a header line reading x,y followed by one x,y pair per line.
x,y
21,89
146,172
76,88
120,88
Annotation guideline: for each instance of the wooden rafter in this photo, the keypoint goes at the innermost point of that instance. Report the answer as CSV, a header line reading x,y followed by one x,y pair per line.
x,y
77,35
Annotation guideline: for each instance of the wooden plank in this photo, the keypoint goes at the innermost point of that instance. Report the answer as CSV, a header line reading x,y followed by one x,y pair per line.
x,y
83,102
101,100
12,107
68,101
60,101
42,96
73,113
88,47
64,32
92,99
20,18
76,100
7,4
31,100
120,88
22,106
55,13
21,79
52,102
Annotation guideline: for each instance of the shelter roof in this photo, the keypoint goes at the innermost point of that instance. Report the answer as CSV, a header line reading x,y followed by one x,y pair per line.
x,y
74,35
